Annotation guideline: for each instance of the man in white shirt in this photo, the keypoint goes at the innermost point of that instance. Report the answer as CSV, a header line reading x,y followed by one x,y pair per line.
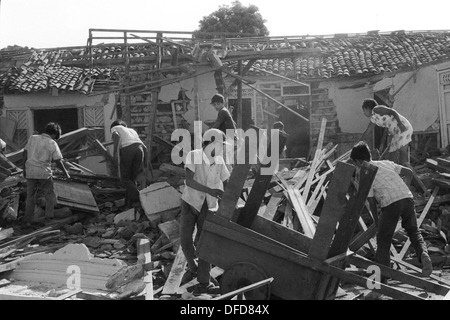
x,y
40,151
130,153
206,177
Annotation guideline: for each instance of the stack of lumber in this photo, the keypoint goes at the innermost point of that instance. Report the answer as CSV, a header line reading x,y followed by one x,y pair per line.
x,y
296,194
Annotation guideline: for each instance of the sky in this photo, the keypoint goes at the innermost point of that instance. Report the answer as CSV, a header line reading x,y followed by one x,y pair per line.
x,y
62,23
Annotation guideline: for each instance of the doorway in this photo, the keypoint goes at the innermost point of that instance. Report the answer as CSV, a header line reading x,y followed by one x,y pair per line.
x,y
67,118
246,111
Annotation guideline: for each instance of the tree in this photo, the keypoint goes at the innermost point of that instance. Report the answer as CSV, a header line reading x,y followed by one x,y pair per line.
x,y
235,21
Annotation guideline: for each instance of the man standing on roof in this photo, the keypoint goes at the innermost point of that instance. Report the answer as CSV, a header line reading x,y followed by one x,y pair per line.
x,y
399,128
224,120
225,123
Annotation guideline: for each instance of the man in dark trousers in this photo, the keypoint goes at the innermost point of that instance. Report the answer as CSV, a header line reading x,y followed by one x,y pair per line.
x,y
39,153
396,201
130,153
224,119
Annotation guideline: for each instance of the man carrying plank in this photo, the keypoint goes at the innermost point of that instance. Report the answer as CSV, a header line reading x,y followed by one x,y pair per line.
x,y
396,200
206,176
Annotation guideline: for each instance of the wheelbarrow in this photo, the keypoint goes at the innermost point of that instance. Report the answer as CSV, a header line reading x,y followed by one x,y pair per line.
x,y
251,248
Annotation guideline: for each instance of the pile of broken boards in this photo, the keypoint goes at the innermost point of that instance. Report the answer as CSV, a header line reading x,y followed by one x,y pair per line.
x,y
296,197
96,249
92,233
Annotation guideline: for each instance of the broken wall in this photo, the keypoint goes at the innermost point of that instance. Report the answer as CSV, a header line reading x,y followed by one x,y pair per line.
x,y
96,110
418,100
206,89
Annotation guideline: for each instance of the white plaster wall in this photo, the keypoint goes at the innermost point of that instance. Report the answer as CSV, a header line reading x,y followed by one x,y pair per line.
x,y
33,100
206,89
418,100
348,105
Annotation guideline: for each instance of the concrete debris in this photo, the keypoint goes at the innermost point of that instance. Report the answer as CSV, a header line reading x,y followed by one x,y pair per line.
x,y
159,197
104,243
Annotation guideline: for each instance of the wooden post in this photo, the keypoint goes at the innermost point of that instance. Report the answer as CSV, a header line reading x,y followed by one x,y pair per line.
x,y
259,189
244,72
126,112
239,97
332,211
346,229
154,110
265,95
196,100
144,255
234,186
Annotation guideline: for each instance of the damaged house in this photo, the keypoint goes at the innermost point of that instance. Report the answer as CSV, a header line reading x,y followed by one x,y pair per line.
x,y
300,218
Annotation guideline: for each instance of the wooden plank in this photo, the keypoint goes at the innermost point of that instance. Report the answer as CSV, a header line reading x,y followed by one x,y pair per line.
x,y
372,243
21,297
443,162
355,205
69,294
165,167
302,212
417,182
215,272
234,187
109,158
243,290
282,234
75,195
400,276
9,266
173,281
347,225
243,73
25,237
316,201
272,206
332,211
316,160
433,164
287,221
315,193
361,239
171,229
264,94
424,213
362,281
260,186
419,271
